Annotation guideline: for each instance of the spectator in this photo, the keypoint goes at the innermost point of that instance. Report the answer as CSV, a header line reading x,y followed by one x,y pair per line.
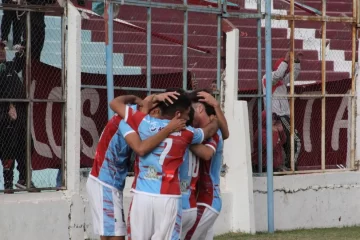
x,y
214,86
13,118
37,23
279,139
280,105
16,19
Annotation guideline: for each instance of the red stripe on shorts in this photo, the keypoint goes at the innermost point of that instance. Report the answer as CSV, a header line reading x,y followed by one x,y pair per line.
x,y
200,212
128,223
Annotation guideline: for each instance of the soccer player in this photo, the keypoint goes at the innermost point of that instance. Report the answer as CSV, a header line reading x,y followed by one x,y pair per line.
x,y
107,177
208,169
155,211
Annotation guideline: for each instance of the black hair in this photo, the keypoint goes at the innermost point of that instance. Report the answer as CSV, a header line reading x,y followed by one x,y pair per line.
x,y
191,117
179,90
195,99
182,103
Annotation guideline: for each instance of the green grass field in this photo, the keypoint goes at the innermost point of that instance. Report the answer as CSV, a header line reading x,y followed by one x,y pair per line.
x,y
314,234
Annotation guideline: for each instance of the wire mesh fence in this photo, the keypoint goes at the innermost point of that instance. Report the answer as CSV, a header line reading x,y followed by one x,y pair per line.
x,y
322,92
32,77
154,49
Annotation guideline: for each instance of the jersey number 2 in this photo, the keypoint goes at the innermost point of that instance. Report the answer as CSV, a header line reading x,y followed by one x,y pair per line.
x,y
168,144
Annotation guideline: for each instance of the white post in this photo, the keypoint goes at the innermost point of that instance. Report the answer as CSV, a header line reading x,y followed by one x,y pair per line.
x,y
73,124
357,84
237,149
73,99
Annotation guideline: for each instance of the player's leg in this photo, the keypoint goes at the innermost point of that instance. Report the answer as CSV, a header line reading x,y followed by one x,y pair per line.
x,y
106,210
114,221
202,228
285,120
140,221
95,196
188,220
167,218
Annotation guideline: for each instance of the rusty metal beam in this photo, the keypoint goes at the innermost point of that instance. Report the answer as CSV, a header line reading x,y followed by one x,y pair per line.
x,y
323,86
33,8
292,88
314,18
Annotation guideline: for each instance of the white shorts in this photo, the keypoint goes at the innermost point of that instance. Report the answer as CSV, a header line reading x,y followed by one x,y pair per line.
x,y
107,210
188,220
203,228
154,217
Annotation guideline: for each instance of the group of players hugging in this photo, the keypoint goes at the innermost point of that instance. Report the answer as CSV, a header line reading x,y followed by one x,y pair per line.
x,y
177,139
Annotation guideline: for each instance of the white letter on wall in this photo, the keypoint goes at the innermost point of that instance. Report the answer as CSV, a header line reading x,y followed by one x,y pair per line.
x,y
339,123
41,148
87,123
307,120
54,94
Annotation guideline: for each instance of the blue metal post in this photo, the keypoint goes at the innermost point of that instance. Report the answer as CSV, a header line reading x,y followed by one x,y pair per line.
x,y
269,143
109,56
148,51
185,45
259,78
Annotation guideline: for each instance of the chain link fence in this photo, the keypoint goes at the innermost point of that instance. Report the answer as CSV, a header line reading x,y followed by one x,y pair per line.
x,y
31,96
148,57
321,98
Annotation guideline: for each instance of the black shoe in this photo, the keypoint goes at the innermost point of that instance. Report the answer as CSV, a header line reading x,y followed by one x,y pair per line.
x,y
8,188
21,184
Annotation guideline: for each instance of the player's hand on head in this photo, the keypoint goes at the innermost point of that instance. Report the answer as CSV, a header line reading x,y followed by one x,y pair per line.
x,y
207,98
177,124
167,97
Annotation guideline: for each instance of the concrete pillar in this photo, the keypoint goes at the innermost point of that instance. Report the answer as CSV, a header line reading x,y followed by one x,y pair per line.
x,y
237,148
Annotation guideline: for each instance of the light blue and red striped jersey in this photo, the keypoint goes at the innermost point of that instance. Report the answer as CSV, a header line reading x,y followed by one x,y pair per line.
x,y
112,154
157,173
209,180
189,176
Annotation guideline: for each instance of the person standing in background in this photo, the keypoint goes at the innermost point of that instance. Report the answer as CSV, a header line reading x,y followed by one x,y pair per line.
x,y
280,104
15,19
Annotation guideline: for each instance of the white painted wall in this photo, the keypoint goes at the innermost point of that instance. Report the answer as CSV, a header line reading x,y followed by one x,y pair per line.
x,y
310,201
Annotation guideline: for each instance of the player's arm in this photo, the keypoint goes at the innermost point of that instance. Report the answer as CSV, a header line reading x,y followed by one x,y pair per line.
x,y
209,99
119,104
152,100
143,147
279,73
202,151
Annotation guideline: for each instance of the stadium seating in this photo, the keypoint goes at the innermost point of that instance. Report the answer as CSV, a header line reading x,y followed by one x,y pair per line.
x,y
130,44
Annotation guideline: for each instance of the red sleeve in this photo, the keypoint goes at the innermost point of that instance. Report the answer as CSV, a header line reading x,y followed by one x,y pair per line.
x,y
133,118
213,142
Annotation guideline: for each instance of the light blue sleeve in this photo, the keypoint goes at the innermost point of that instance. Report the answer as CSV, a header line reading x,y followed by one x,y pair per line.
x,y
198,135
125,128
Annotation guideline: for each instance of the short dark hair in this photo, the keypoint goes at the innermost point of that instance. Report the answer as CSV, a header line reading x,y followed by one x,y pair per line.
x,y
195,99
181,104
191,117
